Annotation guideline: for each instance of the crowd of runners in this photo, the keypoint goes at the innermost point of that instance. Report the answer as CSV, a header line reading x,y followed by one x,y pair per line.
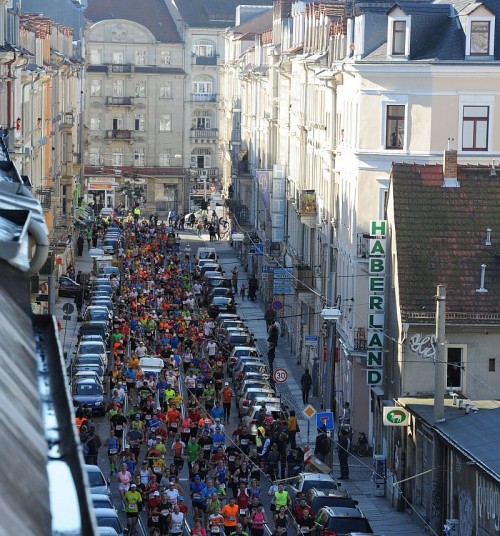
x,y
182,420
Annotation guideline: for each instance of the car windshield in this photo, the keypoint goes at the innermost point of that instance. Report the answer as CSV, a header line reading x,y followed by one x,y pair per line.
x,y
344,525
95,479
109,522
236,339
87,389
343,502
100,503
318,484
91,348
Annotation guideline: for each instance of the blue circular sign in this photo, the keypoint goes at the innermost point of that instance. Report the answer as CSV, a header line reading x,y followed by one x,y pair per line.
x,y
277,305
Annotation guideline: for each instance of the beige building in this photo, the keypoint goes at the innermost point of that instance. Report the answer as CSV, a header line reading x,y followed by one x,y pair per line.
x,y
134,122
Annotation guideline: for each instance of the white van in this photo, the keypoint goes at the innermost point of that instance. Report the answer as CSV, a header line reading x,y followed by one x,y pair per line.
x,y
207,253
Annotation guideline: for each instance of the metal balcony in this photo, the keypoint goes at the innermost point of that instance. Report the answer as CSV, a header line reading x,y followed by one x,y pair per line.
x,y
120,135
119,101
205,60
210,173
119,68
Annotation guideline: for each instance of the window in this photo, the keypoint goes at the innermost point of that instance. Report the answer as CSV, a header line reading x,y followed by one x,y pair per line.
x,y
203,86
164,159
204,48
479,38
140,57
201,119
117,57
166,123
398,38
95,158
95,56
95,88
117,158
140,89
139,156
117,123
95,123
139,122
165,57
118,88
491,364
454,367
395,127
475,124
166,90
201,158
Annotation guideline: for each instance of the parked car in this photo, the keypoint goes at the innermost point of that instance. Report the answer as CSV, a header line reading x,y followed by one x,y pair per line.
x,y
107,212
220,304
98,484
98,369
211,267
252,381
89,392
333,521
110,245
87,375
244,405
218,281
90,359
108,517
317,498
96,312
92,347
237,338
306,481
69,288
101,500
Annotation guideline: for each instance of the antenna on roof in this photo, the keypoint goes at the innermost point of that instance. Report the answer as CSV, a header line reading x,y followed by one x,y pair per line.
x,y
481,288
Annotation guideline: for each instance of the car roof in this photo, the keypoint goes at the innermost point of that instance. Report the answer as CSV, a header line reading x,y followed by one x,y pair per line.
x,y
100,496
329,493
105,512
342,511
86,381
316,476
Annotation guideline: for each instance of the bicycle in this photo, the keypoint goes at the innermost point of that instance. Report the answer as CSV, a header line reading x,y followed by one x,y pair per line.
x,y
362,447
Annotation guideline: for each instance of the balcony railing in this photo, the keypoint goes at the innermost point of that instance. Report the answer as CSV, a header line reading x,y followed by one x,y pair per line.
x,y
204,97
210,173
119,101
205,60
119,68
44,196
119,134
204,133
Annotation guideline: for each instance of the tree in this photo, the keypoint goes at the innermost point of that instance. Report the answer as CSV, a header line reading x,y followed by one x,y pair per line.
x,y
133,191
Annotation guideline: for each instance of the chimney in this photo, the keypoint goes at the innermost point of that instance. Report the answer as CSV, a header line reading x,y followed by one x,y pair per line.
x,y
450,169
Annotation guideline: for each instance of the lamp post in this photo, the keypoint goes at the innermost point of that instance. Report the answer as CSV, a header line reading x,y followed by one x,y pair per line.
x,y
331,315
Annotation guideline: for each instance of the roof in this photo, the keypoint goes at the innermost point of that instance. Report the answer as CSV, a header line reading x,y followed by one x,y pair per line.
x,y
471,433
256,25
152,14
213,13
440,239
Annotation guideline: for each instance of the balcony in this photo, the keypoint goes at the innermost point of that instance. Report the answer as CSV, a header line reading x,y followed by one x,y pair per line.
x,y
44,196
120,68
204,60
67,121
210,173
204,134
120,135
303,278
204,97
119,101
308,207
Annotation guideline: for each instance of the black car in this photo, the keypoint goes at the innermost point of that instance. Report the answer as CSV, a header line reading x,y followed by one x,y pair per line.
x,y
333,521
317,498
69,288
221,304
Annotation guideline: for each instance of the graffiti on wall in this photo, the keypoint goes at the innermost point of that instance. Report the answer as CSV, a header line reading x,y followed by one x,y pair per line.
x,y
488,498
423,345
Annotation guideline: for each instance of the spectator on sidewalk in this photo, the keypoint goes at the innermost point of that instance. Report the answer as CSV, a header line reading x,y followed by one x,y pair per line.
x,y
305,384
269,316
79,246
343,453
322,445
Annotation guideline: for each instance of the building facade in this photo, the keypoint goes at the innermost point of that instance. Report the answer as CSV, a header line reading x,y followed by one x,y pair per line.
x,y
134,120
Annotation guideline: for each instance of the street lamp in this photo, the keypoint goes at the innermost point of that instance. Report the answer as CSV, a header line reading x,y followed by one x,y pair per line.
x,y
332,314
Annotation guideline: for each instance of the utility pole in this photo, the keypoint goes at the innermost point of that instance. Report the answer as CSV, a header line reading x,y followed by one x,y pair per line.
x,y
440,361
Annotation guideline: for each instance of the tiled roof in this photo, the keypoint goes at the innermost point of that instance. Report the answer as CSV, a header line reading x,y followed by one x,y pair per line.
x,y
152,14
256,25
440,239
213,13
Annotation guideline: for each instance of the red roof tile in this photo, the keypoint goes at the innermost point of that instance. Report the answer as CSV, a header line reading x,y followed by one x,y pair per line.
x,y
440,239
153,14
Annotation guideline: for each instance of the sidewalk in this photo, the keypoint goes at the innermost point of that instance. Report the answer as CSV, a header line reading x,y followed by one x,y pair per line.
x,y
385,520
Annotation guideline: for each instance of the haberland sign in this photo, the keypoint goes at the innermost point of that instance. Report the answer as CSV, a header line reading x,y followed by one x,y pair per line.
x,y
376,302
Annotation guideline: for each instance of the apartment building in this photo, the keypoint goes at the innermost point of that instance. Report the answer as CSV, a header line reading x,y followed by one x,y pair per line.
x,y
134,120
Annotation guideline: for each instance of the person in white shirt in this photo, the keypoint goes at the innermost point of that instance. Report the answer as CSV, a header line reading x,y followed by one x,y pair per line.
x,y
141,350
176,521
211,349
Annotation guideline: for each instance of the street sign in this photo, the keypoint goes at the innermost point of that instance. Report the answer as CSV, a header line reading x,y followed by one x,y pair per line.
x,y
280,375
277,305
237,237
66,317
68,308
309,411
325,419
311,340
396,416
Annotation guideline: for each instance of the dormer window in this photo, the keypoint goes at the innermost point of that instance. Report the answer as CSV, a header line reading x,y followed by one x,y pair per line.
x,y
478,23
398,33
398,38
480,38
